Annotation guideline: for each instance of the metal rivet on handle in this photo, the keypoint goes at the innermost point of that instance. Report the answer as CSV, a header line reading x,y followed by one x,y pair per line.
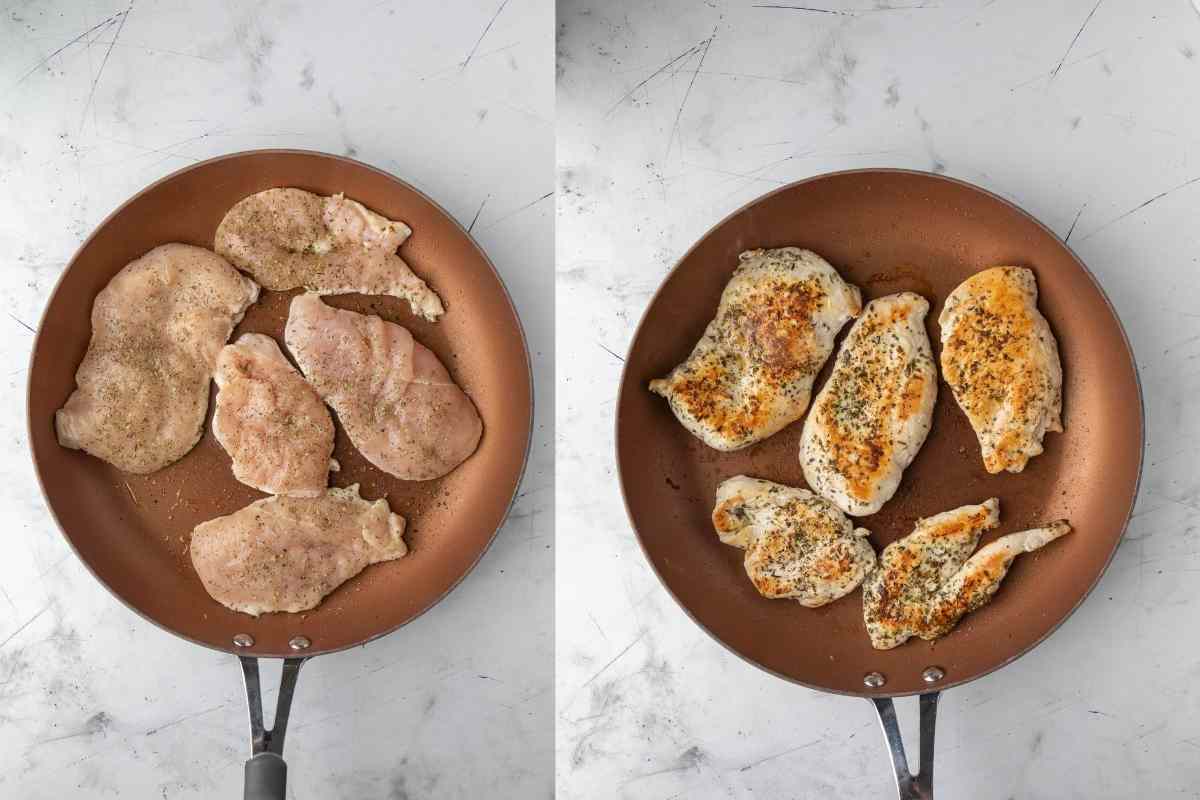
x,y
243,640
299,643
874,680
933,674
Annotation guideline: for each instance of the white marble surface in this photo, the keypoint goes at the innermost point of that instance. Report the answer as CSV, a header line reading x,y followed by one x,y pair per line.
x,y
94,702
1082,113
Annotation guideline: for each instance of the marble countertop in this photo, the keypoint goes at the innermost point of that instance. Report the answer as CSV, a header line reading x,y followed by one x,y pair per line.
x,y
102,98
672,114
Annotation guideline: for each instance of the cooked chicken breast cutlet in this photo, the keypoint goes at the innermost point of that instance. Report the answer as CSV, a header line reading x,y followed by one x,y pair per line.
x,y
752,371
797,545
272,423
1001,361
143,384
290,238
873,414
927,581
288,553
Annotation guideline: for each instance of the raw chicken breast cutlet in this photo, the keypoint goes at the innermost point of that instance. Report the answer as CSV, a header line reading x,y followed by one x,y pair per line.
x,y
290,238
396,401
269,419
143,385
288,553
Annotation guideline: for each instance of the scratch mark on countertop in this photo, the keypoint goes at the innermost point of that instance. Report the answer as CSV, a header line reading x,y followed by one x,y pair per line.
x,y
479,41
848,13
651,77
103,64
47,59
21,323
1074,222
790,750
184,718
592,618
611,353
1139,207
614,660
806,8
29,622
1078,33
511,214
700,66
475,219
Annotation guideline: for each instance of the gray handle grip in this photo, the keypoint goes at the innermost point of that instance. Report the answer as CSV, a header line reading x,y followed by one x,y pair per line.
x,y
266,777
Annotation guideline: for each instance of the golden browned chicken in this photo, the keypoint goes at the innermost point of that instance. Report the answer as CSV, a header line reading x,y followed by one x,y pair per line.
x,y
752,372
927,581
144,382
288,553
396,401
872,416
1001,361
290,238
272,423
797,545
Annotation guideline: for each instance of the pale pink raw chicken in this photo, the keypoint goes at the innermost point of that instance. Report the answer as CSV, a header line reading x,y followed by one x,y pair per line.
x,y
272,423
396,401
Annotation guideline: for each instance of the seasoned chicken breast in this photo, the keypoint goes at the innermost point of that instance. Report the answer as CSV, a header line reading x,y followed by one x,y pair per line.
x,y
142,387
927,581
272,423
873,414
797,545
398,404
1001,361
290,238
287,553
752,372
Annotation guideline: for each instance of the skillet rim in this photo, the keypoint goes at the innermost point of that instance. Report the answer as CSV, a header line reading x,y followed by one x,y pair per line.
x,y
970,187
254,650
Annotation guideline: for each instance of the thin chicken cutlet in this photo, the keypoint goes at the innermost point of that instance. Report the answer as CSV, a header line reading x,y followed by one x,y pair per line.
x,y
288,553
872,416
797,545
290,238
927,581
1001,361
751,373
272,423
143,386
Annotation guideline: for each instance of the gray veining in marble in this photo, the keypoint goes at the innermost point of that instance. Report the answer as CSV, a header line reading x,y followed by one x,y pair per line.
x,y
97,100
672,114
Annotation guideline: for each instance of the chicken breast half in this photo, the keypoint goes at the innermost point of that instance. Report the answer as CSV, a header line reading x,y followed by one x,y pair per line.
x,y
290,238
288,553
927,581
797,545
752,372
1001,361
142,387
272,423
398,404
873,414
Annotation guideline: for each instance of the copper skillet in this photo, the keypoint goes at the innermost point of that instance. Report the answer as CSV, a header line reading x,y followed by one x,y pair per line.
x,y
888,231
132,531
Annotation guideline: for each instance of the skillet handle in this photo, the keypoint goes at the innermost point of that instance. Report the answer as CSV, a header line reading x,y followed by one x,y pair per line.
x,y
266,771
908,785
266,778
